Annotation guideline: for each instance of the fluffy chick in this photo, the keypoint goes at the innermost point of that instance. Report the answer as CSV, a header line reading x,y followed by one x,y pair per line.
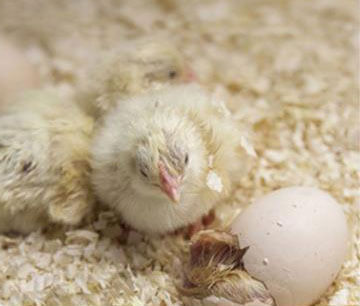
x,y
44,163
164,158
121,73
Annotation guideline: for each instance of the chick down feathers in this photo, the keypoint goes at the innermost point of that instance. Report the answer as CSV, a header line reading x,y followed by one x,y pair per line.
x,y
44,163
120,73
180,128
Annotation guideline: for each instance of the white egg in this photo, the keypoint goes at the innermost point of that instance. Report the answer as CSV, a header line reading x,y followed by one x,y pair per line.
x,y
298,240
16,72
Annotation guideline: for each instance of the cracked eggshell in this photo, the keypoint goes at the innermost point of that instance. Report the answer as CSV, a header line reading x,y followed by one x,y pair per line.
x,y
16,72
298,238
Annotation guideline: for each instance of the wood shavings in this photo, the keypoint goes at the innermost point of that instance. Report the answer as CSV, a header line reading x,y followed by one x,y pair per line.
x,y
215,301
81,237
211,161
340,298
247,146
287,71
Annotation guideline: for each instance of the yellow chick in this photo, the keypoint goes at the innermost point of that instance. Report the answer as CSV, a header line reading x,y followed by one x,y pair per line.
x,y
44,163
163,159
122,73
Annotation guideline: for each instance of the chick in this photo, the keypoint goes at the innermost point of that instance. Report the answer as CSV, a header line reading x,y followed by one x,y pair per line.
x,y
216,267
121,73
44,163
163,159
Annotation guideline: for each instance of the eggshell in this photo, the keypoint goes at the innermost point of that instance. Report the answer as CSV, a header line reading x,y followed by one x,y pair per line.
x,y
16,72
298,240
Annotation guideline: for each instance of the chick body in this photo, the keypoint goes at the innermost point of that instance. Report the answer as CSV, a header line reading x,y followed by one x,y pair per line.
x,y
183,117
44,163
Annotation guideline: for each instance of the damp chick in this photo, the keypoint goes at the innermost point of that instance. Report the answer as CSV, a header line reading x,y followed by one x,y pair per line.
x,y
216,268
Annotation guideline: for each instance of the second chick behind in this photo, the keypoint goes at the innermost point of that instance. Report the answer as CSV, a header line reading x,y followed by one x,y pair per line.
x,y
120,73
44,163
163,159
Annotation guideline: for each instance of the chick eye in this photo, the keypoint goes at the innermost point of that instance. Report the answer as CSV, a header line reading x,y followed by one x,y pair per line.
x,y
143,173
172,74
186,159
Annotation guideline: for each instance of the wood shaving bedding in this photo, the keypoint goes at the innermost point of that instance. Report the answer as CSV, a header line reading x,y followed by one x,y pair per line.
x,y
287,71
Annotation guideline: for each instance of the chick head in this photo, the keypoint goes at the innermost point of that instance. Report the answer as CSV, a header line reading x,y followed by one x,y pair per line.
x,y
166,161
162,63
130,70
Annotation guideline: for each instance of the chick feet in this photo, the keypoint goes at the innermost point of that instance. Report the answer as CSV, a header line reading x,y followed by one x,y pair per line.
x,y
196,227
209,218
124,236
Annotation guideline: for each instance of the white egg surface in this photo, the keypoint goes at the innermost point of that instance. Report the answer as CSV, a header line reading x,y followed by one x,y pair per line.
x,y
298,238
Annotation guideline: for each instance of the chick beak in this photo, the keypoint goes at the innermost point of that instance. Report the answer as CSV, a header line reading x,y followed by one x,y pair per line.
x,y
169,184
